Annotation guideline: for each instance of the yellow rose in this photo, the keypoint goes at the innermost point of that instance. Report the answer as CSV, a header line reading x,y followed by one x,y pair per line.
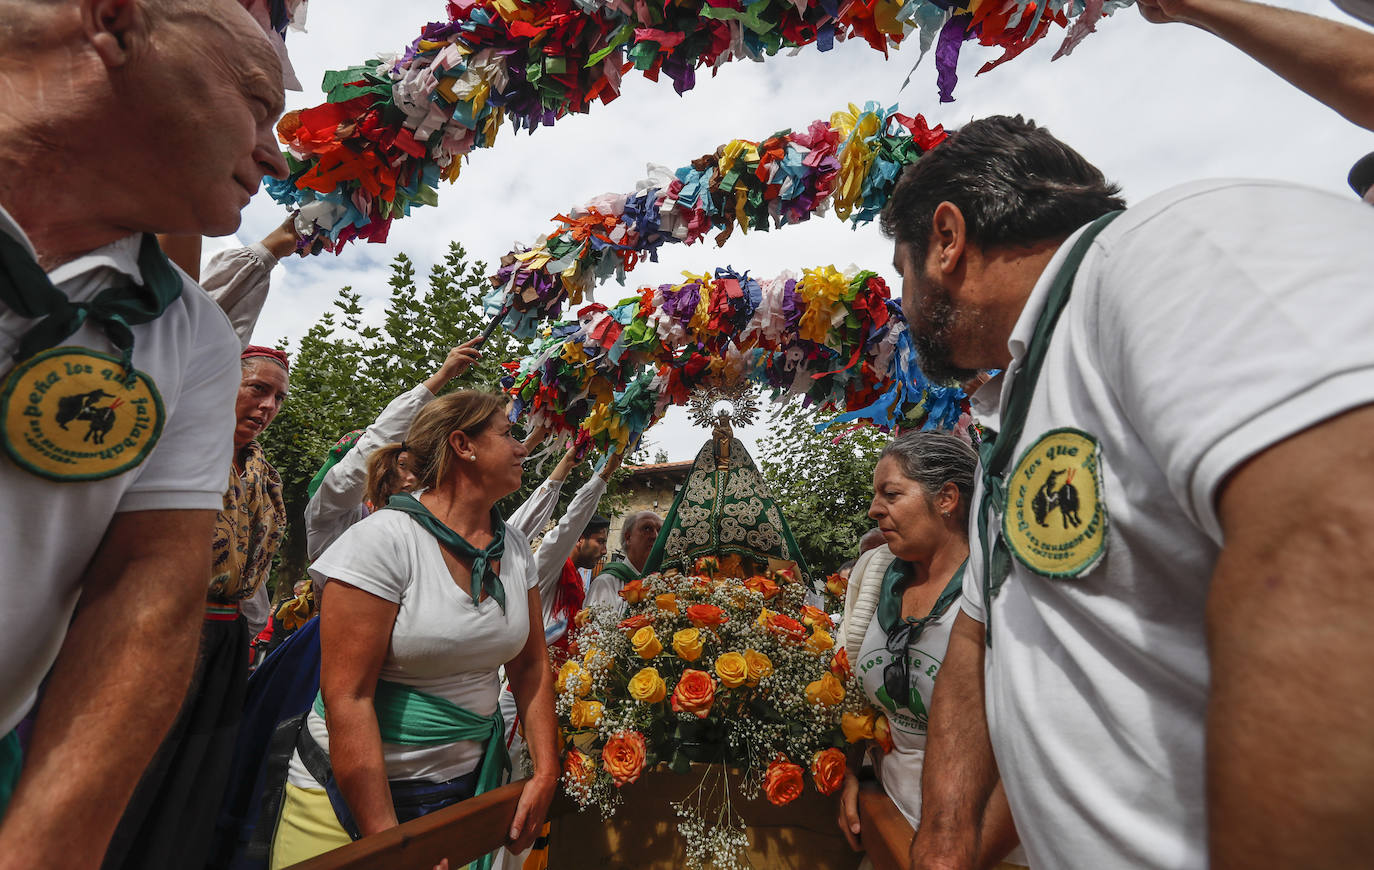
x,y
646,643
858,726
648,686
820,641
585,714
572,678
667,602
760,666
591,654
732,669
827,691
687,644
764,615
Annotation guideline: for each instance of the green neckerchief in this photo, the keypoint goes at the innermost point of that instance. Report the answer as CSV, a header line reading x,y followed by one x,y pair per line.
x,y
890,598
25,289
409,717
622,571
11,760
336,453
996,454
485,581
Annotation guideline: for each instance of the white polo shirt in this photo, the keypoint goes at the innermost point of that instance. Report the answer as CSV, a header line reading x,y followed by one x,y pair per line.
x,y
49,531
1206,324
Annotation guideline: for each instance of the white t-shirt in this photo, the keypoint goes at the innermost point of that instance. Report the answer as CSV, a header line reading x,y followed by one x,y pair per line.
x,y
443,642
1206,324
900,770
49,531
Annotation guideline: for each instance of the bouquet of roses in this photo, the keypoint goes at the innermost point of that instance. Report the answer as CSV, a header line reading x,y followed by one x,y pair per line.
x,y
737,674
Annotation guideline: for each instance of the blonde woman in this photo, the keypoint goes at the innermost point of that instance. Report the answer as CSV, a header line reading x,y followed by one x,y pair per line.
x,y
425,601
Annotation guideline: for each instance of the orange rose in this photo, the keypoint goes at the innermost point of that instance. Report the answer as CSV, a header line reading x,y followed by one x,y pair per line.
x,y
882,732
786,628
839,664
827,769
579,769
646,643
706,615
732,669
763,586
816,618
634,623
623,756
633,593
782,783
687,644
667,602
706,566
858,726
759,665
585,714
783,576
820,641
827,691
836,585
694,693
582,617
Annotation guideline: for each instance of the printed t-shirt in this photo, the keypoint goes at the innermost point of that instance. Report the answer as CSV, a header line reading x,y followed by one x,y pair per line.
x,y
443,643
900,770
1205,325
49,530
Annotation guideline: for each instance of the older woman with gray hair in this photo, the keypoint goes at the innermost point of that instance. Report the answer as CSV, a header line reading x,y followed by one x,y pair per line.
x,y
898,611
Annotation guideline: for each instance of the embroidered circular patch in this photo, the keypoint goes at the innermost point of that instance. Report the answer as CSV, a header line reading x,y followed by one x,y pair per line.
x,y
1056,520
67,415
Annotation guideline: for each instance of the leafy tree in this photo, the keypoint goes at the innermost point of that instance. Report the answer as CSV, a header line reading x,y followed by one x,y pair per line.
x,y
345,372
822,484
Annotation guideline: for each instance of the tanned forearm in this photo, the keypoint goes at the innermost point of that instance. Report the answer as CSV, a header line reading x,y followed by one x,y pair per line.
x,y
960,772
997,835
1290,763
1331,61
115,688
531,680
355,752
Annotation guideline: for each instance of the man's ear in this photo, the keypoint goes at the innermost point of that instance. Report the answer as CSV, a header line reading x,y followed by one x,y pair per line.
x,y
948,235
111,27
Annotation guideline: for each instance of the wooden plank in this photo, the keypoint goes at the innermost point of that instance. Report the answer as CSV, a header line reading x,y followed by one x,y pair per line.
x,y
461,833
885,831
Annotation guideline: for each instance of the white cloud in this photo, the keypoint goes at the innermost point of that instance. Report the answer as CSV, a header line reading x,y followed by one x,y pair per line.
x,y
1153,106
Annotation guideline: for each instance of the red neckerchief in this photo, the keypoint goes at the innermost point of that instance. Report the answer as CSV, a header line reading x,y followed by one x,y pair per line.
x,y
566,602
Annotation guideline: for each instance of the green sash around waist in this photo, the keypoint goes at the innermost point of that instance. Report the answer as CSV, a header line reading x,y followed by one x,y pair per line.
x,y
410,717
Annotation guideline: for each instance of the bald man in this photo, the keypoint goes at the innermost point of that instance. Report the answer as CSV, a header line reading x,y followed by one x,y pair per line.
x,y
122,118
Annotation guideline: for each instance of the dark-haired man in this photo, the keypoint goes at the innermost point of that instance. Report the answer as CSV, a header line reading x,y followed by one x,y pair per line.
x,y
121,118
1164,637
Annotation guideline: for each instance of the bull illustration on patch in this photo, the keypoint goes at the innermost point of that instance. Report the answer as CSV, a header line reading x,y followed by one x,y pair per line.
x,y
1064,497
82,406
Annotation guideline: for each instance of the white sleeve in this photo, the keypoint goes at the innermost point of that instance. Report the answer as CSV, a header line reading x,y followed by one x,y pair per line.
x,y
972,600
1231,326
238,280
345,485
605,589
189,466
371,555
559,542
531,517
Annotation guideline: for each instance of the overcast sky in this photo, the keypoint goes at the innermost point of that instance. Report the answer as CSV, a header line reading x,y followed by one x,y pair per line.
x,y
1153,106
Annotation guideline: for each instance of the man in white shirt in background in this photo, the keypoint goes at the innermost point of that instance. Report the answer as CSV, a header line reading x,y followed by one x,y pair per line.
x,y
180,98
637,536
1165,631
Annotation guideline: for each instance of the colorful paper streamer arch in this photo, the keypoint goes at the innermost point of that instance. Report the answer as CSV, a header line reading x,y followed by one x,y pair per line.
x,y
390,130
847,164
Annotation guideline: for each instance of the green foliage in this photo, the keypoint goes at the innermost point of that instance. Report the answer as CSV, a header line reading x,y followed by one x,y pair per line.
x,y
823,488
345,372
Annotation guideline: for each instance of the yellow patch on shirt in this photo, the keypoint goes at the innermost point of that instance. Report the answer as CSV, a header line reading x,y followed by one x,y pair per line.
x,y
67,415
1056,520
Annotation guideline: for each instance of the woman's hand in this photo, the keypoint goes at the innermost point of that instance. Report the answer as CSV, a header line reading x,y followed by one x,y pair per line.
x,y
459,360
848,815
532,811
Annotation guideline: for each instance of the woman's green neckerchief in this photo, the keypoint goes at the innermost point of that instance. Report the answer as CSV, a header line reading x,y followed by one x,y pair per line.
x,y
485,581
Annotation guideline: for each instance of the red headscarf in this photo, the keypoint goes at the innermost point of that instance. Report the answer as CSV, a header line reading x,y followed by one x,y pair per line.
x,y
270,352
